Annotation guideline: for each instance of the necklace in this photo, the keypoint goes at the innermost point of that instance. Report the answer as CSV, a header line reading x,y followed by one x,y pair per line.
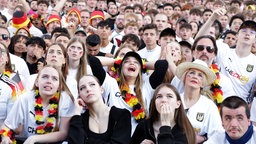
x,y
215,87
137,111
43,128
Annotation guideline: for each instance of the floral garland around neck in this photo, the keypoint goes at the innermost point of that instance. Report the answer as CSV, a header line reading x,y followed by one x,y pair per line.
x,y
43,128
113,71
215,87
137,111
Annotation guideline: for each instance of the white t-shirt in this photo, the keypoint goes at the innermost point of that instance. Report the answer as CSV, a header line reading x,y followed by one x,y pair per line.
x,y
6,101
108,48
71,80
150,55
221,138
19,65
253,110
114,98
23,112
6,14
204,116
33,31
241,71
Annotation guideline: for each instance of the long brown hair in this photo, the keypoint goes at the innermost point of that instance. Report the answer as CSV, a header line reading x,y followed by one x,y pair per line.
x,y
62,87
180,116
138,84
82,69
64,67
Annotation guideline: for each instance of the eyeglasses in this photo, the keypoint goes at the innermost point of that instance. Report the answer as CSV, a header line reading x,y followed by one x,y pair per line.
x,y
244,30
209,49
5,36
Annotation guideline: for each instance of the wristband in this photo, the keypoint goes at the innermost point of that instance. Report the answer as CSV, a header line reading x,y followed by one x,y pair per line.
x,y
8,133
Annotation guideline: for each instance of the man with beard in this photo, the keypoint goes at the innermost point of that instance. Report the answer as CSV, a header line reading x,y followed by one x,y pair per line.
x,y
237,64
205,49
118,33
73,20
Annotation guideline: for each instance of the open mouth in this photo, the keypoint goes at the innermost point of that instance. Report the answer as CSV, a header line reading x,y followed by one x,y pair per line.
x,y
131,69
47,87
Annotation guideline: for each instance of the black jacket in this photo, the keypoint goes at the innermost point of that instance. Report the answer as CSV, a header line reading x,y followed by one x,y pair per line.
x,y
167,135
118,131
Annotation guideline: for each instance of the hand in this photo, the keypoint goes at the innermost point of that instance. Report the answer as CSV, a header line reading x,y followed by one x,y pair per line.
x,y
38,53
40,65
6,140
166,115
30,140
220,11
109,55
79,106
146,141
199,138
71,25
163,53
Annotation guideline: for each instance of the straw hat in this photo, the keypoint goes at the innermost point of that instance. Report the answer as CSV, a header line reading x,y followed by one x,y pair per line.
x,y
199,65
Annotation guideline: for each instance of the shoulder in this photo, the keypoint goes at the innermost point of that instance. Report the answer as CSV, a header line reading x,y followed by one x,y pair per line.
x,y
118,113
205,99
217,136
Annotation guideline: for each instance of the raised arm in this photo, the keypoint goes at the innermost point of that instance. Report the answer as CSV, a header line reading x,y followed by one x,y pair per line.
x,y
204,30
25,5
57,136
59,6
106,61
157,76
97,69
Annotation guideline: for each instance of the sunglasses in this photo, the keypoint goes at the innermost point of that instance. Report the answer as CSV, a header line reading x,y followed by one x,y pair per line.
x,y
209,49
5,37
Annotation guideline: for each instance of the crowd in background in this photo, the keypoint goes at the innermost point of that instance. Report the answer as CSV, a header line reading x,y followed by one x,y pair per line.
x,y
127,71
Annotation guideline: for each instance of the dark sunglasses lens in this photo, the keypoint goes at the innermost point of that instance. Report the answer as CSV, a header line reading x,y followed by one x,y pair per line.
x,y
5,36
200,48
210,49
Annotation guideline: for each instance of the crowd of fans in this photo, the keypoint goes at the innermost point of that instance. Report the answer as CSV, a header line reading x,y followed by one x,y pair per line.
x,y
128,71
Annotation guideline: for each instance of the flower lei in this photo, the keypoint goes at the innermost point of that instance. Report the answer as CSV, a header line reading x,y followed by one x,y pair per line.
x,y
215,87
52,113
137,111
7,73
113,71
8,133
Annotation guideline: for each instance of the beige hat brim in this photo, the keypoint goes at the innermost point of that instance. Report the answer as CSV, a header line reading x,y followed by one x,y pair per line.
x,y
185,66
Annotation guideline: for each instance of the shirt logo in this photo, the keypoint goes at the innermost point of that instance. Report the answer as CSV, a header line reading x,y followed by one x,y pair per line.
x,y
200,117
249,68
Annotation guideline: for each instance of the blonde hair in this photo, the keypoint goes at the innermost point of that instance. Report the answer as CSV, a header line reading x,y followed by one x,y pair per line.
x,y
138,84
62,87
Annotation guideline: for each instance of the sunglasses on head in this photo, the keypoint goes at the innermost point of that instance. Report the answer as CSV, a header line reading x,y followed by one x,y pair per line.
x,y
209,49
5,36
